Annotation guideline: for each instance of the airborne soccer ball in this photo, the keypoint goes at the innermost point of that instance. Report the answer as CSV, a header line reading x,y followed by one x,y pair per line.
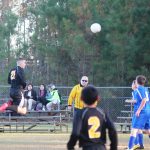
x,y
95,27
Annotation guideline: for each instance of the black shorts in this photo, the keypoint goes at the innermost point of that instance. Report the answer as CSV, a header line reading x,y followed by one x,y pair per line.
x,y
16,95
94,147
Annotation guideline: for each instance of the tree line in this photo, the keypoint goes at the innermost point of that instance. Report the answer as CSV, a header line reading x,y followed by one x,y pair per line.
x,y
63,48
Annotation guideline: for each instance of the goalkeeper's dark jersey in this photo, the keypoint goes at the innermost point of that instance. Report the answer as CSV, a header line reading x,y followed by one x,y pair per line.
x,y
89,127
16,78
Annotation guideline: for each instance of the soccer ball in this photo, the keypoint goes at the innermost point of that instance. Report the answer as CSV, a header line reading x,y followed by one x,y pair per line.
x,y
95,27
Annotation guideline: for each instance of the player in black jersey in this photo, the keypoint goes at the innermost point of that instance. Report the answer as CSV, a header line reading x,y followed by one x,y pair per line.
x,y
90,125
16,79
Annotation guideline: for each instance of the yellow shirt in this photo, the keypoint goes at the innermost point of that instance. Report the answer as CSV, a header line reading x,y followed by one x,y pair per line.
x,y
75,95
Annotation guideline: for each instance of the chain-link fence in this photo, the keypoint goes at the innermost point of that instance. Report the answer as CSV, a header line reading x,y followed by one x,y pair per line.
x,y
112,98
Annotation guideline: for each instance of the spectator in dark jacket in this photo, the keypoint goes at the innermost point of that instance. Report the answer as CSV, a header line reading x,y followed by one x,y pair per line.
x,y
31,97
41,97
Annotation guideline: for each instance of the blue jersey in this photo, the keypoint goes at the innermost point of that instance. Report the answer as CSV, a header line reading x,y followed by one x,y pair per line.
x,y
140,93
142,121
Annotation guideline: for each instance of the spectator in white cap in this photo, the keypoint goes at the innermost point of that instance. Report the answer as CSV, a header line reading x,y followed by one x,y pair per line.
x,y
53,97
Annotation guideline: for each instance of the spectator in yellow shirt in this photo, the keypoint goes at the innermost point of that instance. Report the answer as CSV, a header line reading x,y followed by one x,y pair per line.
x,y
75,95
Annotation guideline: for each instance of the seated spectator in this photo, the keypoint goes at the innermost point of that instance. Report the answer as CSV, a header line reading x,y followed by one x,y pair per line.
x,y
41,101
52,97
31,97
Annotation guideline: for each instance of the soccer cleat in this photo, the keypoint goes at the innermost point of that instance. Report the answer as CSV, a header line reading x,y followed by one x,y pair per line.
x,y
138,147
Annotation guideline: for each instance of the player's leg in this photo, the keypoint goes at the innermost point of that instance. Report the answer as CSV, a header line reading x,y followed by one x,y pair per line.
x,y
132,138
18,102
138,123
139,141
17,109
5,105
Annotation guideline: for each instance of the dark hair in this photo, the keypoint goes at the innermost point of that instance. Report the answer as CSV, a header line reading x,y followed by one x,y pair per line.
x,y
89,95
20,59
43,86
30,84
141,80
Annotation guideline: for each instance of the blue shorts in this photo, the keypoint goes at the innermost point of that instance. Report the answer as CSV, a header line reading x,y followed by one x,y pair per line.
x,y
141,121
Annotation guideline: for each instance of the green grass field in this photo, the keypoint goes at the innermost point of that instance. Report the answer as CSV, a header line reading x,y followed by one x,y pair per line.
x,y
49,141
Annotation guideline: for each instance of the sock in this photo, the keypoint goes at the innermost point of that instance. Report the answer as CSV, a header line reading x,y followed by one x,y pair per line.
x,y
136,142
131,142
140,137
3,107
9,102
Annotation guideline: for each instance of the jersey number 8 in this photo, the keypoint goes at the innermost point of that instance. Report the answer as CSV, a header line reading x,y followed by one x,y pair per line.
x,y
13,74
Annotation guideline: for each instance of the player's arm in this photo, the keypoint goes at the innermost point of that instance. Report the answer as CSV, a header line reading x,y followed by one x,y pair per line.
x,y
72,96
112,133
75,131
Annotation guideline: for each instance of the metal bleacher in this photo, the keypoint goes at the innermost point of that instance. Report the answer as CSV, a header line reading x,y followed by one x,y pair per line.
x,y
36,121
125,117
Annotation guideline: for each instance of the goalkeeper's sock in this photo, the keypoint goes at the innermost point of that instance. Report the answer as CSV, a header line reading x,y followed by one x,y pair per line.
x,y
131,142
140,137
136,142
3,107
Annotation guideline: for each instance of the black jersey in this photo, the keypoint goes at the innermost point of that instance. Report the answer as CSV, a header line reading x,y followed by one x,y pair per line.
x,y
16,78
89,127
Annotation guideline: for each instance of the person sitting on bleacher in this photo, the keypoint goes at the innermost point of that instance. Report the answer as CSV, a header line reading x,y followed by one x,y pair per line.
x,y
31,97
53,98
41,101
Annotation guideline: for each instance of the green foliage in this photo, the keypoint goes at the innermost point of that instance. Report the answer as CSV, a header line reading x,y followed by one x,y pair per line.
x,y
66,49
112,57
7,26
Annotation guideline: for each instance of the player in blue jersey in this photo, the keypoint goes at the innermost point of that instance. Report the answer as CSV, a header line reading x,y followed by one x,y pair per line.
x,y
139,137
141,109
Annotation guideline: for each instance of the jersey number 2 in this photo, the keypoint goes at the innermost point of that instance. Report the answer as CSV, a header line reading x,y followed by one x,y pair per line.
x,y
94,122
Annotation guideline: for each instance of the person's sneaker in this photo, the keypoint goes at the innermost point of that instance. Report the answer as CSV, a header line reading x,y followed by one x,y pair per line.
x,y
138,147
43,108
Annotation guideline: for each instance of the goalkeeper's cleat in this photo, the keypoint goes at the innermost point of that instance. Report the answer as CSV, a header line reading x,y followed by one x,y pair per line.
x,y
138,147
